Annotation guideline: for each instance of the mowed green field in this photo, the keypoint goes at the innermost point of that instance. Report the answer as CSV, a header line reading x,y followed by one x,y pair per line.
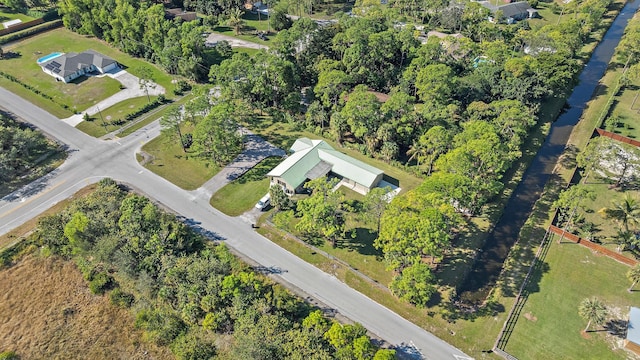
x,y
549,326
83,92
185,170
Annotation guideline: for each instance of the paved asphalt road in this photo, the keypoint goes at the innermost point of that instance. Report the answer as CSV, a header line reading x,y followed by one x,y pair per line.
x,y
91,159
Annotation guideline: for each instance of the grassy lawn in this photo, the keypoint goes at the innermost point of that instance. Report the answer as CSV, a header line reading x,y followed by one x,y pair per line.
x,y
545,15
96,128
243,193
81,94
6,15
257,22
169,161
571,273
247,51
621,108
604,198
153,116
252,25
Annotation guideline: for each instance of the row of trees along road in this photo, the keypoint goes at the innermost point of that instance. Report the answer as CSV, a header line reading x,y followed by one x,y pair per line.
x,y
187,293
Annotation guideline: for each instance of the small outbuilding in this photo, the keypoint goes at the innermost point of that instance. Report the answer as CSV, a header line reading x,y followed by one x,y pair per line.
x,y
632,341
311,159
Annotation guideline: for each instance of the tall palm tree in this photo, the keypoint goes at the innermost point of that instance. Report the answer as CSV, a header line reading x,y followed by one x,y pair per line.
x,y
634,276
593,310
626,212
624,240
235,20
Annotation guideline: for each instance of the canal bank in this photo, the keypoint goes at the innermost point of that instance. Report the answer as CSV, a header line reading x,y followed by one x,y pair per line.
x,y
490,260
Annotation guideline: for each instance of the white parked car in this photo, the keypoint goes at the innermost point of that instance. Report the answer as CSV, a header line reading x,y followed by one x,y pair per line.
x,y
264,202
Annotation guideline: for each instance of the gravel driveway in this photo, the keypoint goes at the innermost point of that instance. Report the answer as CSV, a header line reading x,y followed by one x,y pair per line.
x,y
214,38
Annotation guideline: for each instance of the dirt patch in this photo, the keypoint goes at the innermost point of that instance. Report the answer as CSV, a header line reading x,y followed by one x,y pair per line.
x,y
530,317
146,158
47,312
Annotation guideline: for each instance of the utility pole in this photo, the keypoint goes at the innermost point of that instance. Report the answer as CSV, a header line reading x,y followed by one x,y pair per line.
x,y
103,123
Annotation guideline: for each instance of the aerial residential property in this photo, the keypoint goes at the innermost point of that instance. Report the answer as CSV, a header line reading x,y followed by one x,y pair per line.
x,y
312,159
70,66
337,180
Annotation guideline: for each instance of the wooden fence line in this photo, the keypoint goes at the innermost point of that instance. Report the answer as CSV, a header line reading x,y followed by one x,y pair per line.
x,y
593,246
521,298
618,137
21,26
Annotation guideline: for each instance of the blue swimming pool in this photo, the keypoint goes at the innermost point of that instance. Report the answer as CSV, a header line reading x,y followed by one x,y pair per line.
x,y
49,57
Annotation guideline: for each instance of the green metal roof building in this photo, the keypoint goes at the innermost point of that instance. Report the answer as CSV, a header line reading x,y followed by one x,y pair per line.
x,y
312,159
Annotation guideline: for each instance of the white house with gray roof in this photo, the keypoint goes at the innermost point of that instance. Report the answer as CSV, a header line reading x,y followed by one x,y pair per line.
x,y
311,159
512,12
70,66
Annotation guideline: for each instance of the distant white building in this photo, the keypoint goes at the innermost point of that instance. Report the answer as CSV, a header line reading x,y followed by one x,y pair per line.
x,y
70,66
512,12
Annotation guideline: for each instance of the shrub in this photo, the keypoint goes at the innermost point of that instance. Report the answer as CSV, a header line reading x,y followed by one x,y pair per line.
x,y
120,298
160,327
181,87
99,280
145,108
9,355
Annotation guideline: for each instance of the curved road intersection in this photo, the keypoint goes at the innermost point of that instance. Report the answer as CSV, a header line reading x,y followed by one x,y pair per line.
x,y
91,159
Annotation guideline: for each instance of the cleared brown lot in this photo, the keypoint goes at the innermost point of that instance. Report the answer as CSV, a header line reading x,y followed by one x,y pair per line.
x,y
48,312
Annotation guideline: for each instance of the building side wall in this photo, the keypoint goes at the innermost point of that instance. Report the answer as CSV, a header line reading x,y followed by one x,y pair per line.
x,y
275,180
632,346
108,68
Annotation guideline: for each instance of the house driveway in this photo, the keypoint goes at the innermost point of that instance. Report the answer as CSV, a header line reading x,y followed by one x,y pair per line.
x,y
214,38
255,150
131,89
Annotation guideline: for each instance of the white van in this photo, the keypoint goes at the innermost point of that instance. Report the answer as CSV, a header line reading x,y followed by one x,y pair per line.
x,y
264,202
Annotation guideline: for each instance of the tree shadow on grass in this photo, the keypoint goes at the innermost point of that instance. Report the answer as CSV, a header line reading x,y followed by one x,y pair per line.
x,y
12,55
362,242
259,171
568,158
453,311
455,265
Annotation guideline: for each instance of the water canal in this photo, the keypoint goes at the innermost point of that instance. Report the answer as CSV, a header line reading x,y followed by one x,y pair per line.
x,y
489,263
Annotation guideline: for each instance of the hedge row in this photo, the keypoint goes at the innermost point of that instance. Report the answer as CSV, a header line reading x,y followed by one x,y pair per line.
x,y
146,108
34,90
30,31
